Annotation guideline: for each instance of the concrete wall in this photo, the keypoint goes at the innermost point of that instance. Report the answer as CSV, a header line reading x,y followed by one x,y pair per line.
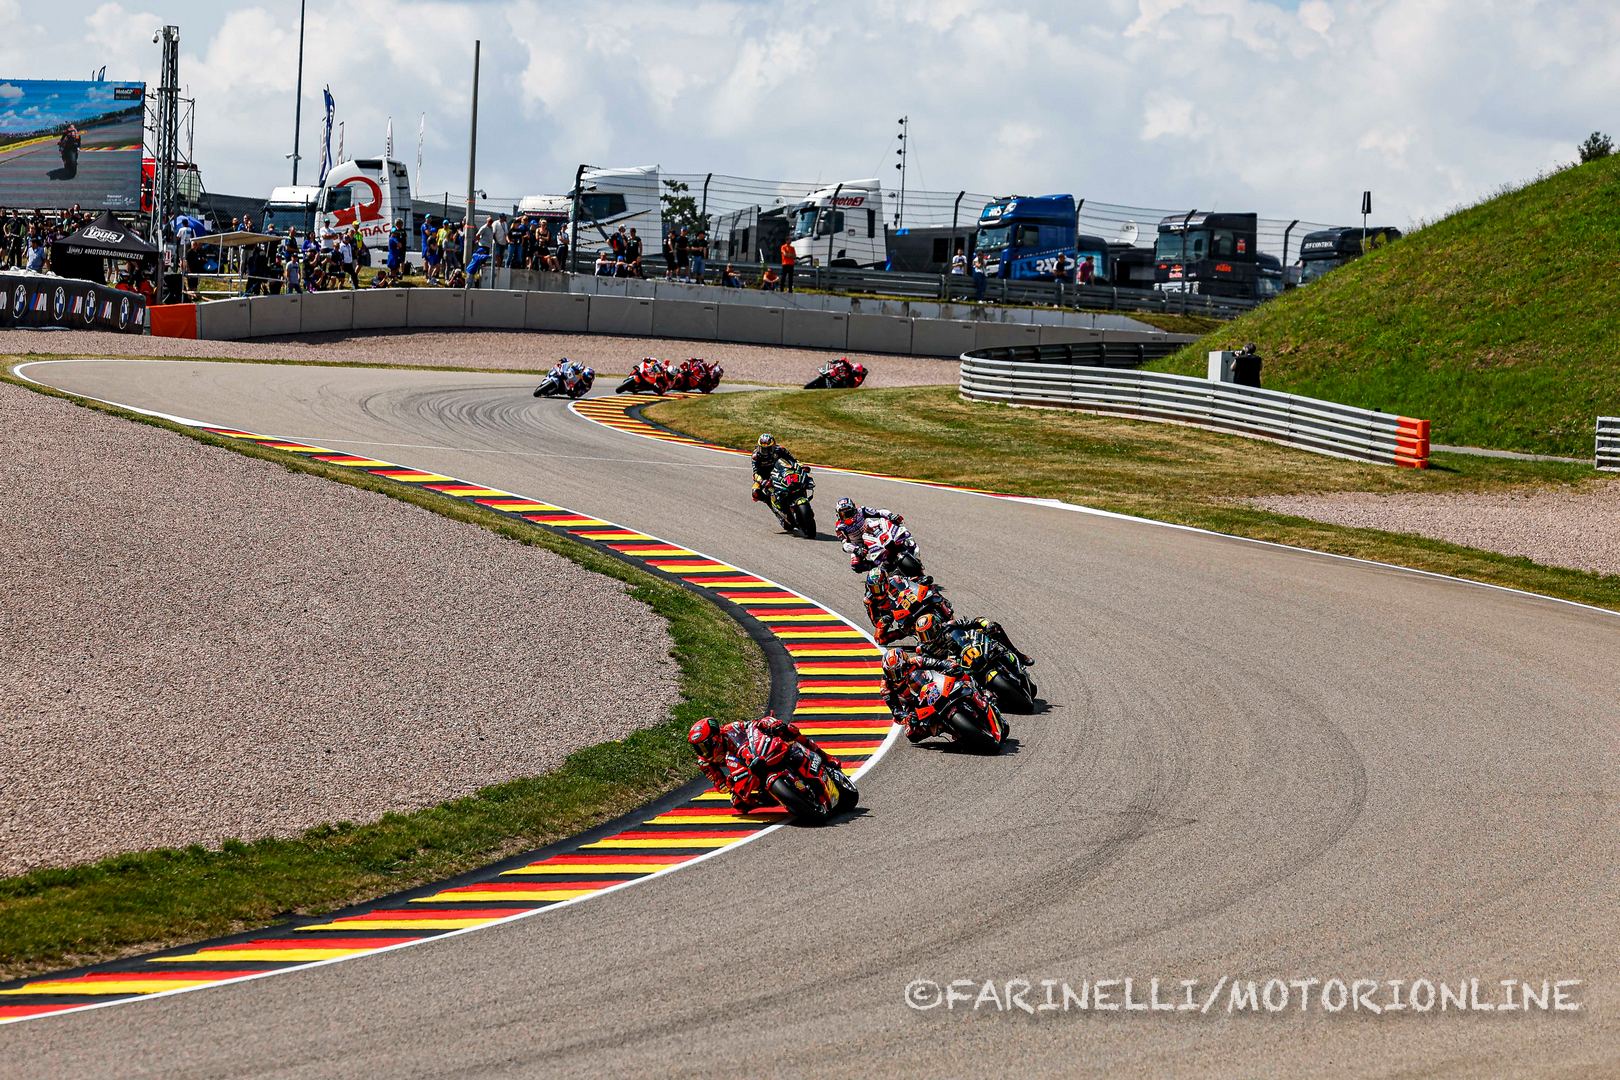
x,y
435,307
757,326
379,309
879,334
623,315
326,312
815,329
683,319
557,311
491,310
222,320
989,335
273,315
938,337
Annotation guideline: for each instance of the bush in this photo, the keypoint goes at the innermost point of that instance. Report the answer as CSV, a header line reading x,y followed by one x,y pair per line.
x,y
1597,145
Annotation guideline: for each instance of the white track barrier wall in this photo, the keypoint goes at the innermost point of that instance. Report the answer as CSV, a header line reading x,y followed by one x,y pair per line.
x,y
632,308
1323,427
1608,443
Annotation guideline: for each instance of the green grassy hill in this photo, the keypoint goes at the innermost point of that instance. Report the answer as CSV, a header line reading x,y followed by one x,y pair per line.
x,y
1501,323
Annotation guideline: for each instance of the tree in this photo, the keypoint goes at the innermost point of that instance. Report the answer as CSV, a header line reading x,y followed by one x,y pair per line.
x,y
680,209
1597,145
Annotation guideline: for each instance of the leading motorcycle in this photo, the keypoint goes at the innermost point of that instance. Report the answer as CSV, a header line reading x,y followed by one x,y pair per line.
x,y
574,385
788,493
803,778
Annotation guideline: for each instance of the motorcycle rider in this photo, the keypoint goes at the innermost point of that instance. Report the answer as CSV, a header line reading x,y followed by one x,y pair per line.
x,y
657,372
569,372
904,677
934,636
851,528
881,590
765,457
722,753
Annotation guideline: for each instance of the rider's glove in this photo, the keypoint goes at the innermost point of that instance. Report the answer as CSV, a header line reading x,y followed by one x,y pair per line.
x,y
896,518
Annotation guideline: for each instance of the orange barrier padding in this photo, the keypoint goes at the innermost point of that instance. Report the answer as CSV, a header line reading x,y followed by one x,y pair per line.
x,y
173,320
1411,442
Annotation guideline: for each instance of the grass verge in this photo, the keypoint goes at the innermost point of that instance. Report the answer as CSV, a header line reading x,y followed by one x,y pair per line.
x,y
141,901
1178,474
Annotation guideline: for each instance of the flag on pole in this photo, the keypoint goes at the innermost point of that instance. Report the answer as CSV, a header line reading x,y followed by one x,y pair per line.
x,y
340,156
388,150
326,135
421,129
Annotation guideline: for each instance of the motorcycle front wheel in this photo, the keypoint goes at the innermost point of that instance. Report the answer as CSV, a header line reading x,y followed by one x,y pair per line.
x,y
802,807
1011,694
626,386
971,732
804,519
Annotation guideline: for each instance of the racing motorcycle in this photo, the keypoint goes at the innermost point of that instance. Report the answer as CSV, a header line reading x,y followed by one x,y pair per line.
x,y
701,377
807,782
891,547
915,598
788,494
556,384
955,706
651,375
994,667
838,375
68,147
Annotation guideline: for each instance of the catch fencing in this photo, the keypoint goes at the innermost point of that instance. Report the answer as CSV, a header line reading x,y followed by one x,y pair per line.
x,y
1608,443
1073,381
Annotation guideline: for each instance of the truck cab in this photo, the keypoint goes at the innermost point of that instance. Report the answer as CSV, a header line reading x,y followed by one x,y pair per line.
x,y
841,225
608,198
1021,236
1327,249
290,208
1209,253
369,192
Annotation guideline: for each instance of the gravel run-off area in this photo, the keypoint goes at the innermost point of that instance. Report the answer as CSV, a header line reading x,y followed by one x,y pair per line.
x,y
1576,527
506,350
196,645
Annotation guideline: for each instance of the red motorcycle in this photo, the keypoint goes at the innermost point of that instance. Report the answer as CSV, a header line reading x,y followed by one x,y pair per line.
x,y
954,706
838,375
802,777
914,599
697,376
652,375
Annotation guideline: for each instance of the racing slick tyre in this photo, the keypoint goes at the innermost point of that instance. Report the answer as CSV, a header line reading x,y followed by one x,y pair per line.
x,y
908,565
818,383
798,805
1012,695
804,520
848,796
971,735
625,387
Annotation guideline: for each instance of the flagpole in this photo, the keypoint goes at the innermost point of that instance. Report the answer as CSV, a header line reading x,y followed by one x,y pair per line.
x,y
421,127
298,101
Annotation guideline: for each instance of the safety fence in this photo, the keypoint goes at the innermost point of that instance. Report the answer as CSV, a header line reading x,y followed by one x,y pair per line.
x,y
1324,427
1608,443
689,313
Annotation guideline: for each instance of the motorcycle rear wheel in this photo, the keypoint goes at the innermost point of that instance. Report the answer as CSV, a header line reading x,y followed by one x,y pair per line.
x,y
908,565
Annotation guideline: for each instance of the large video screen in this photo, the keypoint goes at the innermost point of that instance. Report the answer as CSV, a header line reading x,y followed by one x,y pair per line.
x,y
66,143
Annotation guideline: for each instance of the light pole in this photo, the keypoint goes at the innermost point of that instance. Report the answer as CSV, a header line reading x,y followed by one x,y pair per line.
x,y
472,166
900,211
298,100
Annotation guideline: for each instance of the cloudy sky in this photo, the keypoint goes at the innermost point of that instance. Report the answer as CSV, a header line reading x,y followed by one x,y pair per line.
x,y
1291,107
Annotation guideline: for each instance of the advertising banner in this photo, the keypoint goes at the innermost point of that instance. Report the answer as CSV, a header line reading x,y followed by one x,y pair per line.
x,y
67,143
39,300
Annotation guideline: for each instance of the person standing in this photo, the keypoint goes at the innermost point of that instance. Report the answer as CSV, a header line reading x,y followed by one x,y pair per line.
x,y
1246,367
1060,275
1088,271
698,245
959,263
501,234
980,279
789,261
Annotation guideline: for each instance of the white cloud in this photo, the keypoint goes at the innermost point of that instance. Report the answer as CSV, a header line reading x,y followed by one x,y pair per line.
x,y
9,92
1288,109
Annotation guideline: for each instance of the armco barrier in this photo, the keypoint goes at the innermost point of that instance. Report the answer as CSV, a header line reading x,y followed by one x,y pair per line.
x,y
814,329
379,309
489,309
557,311
325,312
627,316
1324,427
1608,443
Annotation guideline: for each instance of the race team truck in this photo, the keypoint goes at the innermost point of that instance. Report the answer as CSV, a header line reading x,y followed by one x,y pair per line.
x,y
1322,251
290,208
1213,254
1021,237
370,192
841,225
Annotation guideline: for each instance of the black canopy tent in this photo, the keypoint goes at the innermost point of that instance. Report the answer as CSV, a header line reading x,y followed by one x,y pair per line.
x,y
83,254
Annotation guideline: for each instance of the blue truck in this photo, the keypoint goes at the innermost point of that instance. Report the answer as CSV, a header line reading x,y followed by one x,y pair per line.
x,y
1021,237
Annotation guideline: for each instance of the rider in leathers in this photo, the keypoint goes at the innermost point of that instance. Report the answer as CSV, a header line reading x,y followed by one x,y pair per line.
x,y
934,636
724,758
852,524
904,677
766,455
880,595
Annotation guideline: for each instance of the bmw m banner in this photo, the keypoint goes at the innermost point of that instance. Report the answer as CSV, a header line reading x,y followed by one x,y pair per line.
x,y
36,300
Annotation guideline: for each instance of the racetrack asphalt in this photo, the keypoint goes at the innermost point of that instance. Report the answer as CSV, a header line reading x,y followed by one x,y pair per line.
x,y
1256,763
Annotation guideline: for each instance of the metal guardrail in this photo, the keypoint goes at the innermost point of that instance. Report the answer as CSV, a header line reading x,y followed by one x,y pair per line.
x,y
1323,427
1608,443
1109,354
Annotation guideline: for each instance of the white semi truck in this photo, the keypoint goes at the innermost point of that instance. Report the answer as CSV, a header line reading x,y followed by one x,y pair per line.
x,y
841,225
